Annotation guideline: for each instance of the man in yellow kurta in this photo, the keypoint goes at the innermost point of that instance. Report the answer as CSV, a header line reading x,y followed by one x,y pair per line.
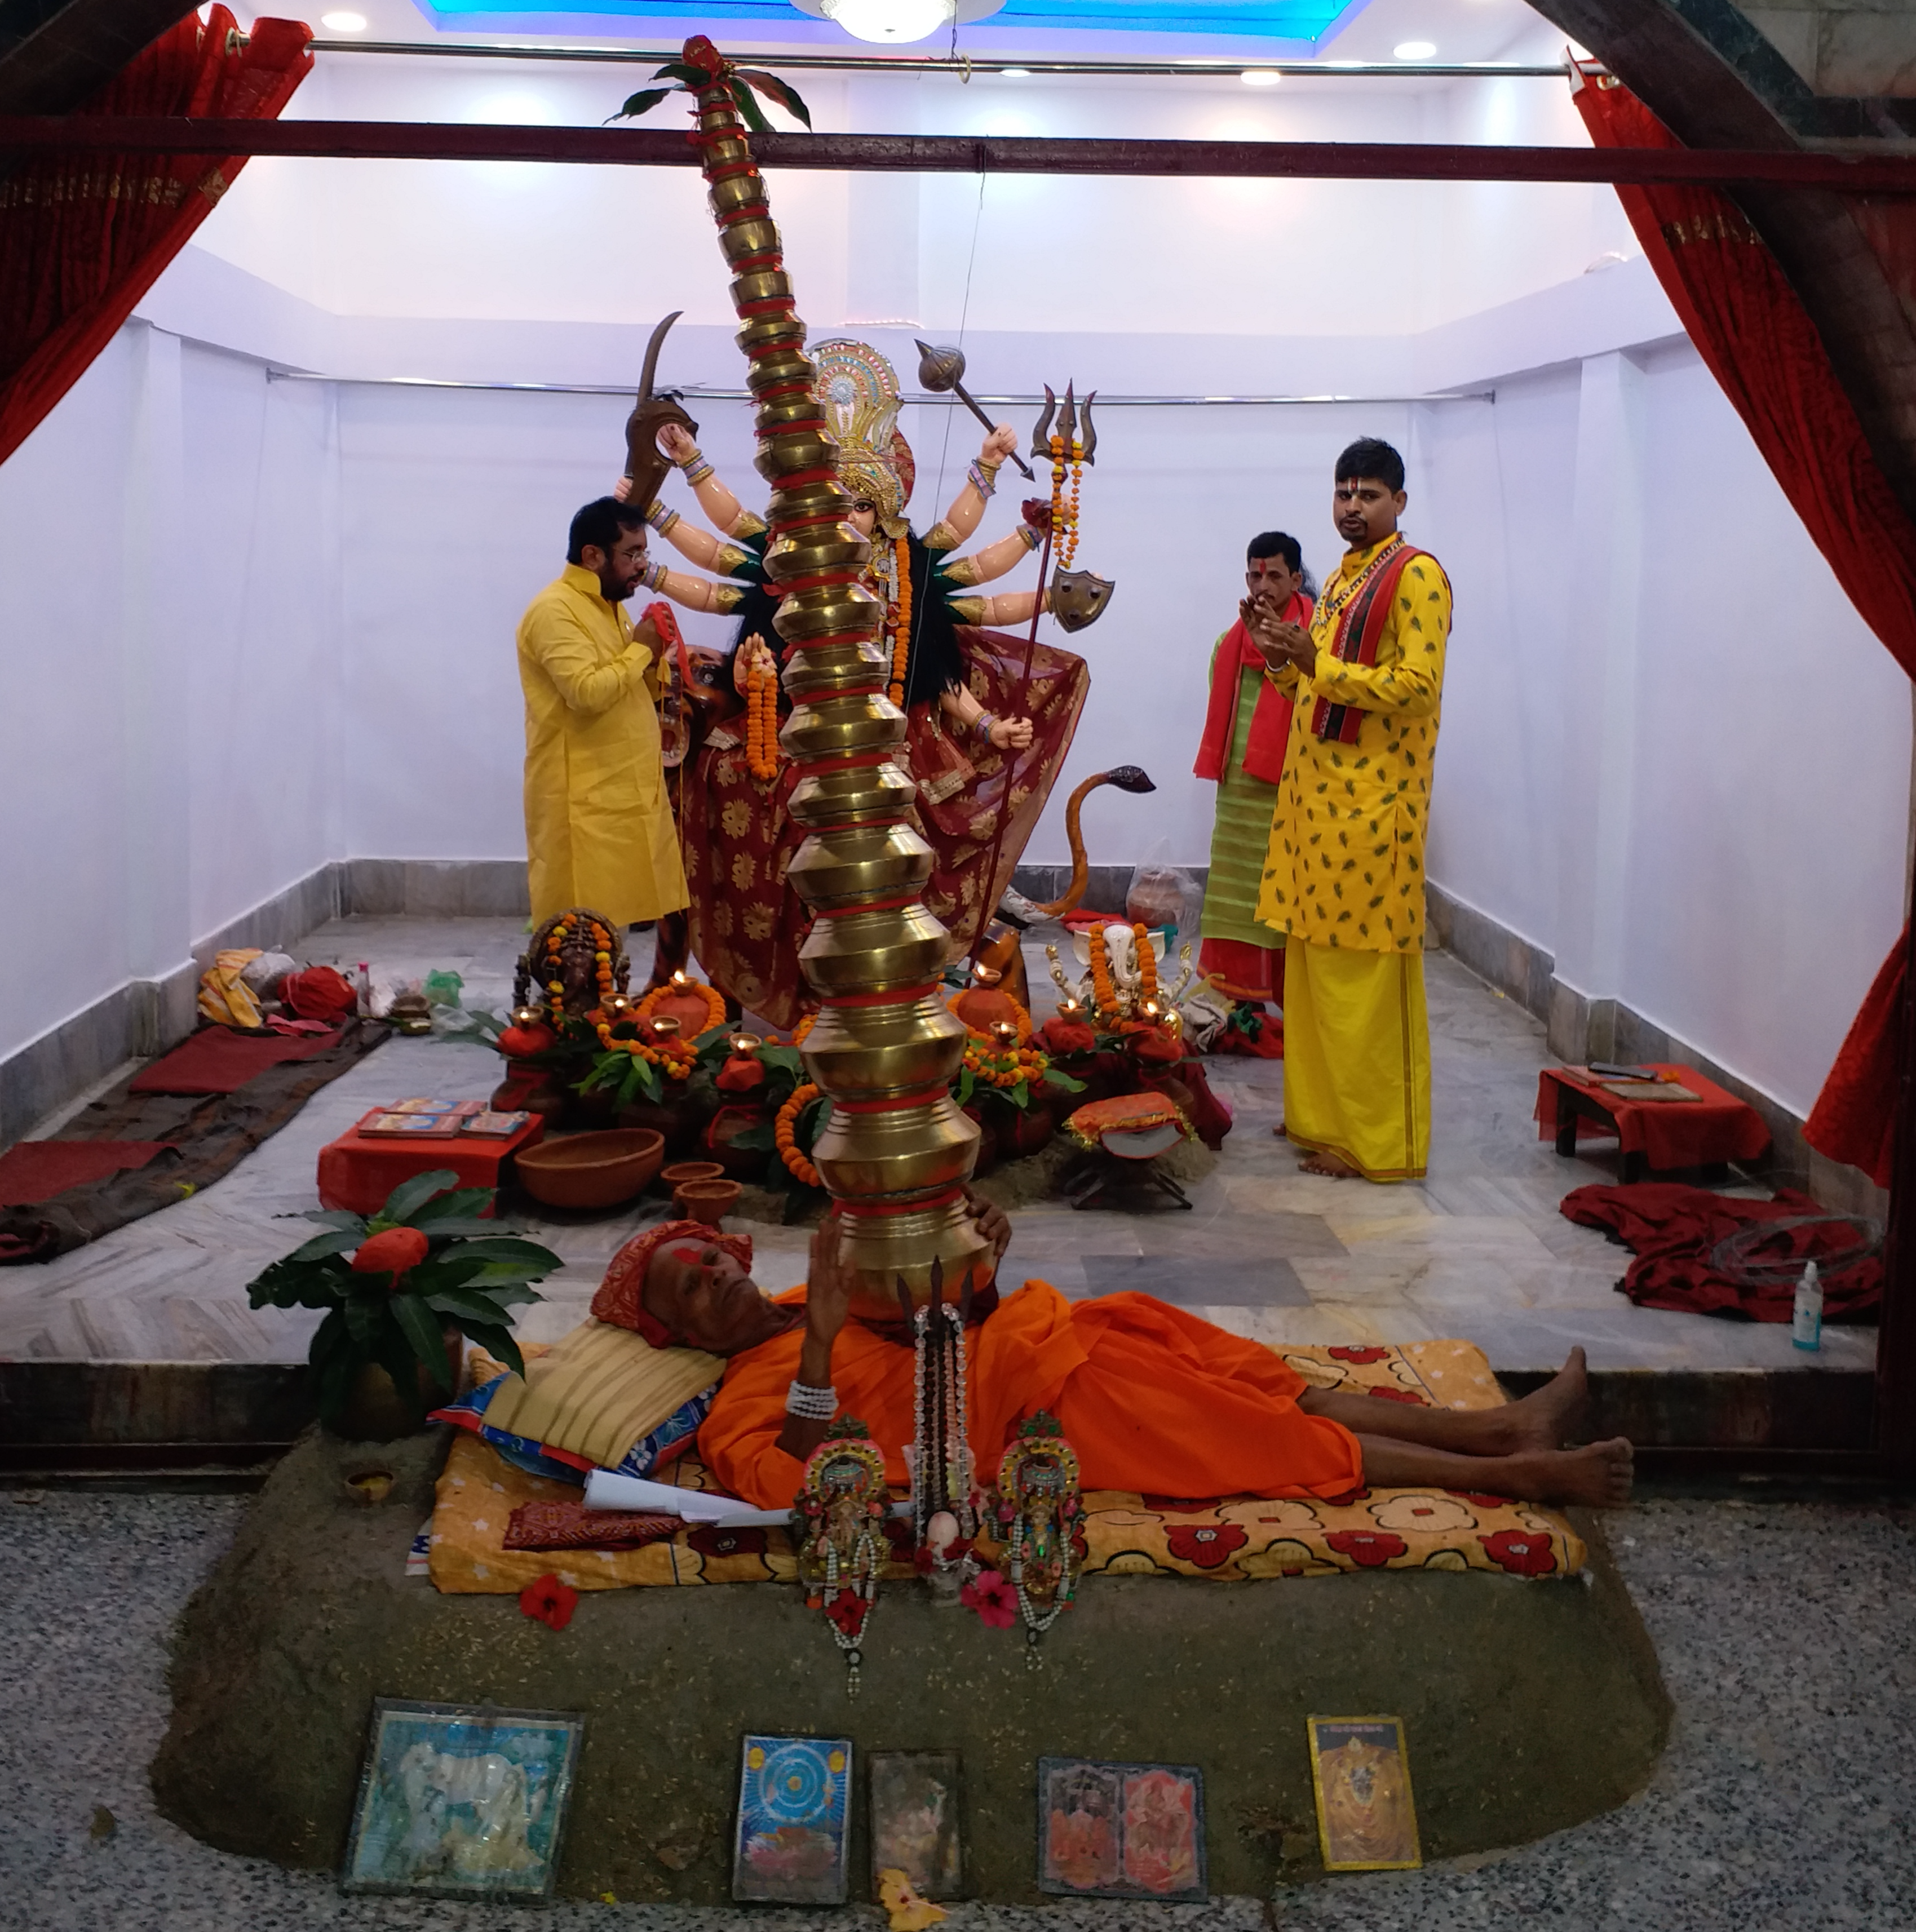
x,y
1344,874
599,827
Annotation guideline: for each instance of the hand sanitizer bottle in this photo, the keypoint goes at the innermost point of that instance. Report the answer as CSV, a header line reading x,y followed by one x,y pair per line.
x,y
1806,1319
364,987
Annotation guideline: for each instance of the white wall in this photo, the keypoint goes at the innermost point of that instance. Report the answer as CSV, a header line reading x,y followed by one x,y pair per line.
x,y
253,623
169,581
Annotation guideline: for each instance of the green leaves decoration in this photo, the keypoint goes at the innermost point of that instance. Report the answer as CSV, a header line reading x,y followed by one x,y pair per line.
x,y
739,83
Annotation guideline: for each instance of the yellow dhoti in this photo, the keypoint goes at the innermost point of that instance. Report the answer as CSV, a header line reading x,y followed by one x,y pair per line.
x,y
1357,1058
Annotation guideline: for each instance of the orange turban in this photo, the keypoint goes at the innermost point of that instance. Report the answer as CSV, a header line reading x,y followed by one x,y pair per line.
x,y
621,1297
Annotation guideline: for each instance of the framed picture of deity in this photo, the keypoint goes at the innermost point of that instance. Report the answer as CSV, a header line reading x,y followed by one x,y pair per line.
x,y
915,1823
794,1811
1361,1774
462,1802
1121,1831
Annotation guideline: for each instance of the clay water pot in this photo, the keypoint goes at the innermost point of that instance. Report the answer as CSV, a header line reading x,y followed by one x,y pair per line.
x,y
1024,1130
533,1091
680,1171
738,1163
374,1412
708,1202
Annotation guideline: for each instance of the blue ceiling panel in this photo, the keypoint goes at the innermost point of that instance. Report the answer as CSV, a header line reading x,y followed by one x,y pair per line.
x,y
1299,20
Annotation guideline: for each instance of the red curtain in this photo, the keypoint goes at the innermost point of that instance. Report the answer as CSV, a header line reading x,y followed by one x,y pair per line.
x,y
84,235
1757,340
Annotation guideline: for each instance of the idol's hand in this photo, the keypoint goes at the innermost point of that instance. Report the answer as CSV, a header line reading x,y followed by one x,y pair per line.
x,y
828,1286
622,490
991,1221
997,446
676,444
1011,734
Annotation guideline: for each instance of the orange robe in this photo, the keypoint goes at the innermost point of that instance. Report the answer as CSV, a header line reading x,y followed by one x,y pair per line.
x,y
1151,1399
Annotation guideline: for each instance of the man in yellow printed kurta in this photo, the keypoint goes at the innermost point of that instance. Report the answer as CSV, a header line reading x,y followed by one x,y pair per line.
x,y
1344,874
599,827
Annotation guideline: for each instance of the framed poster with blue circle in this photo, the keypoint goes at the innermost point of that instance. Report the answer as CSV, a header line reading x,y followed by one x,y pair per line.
x,y
795,1807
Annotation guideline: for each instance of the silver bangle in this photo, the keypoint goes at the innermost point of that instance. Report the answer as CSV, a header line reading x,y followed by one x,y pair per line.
x,y
809,1404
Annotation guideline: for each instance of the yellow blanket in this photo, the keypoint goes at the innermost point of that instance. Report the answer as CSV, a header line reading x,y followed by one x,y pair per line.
x,y
1125,1535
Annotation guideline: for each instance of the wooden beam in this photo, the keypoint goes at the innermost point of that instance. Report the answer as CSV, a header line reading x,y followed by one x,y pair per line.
x,y
946,154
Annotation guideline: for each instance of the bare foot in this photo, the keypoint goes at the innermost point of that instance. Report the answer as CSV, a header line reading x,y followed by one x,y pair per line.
x,y
1556,1413
1599,1475
1332,1167
1279,1131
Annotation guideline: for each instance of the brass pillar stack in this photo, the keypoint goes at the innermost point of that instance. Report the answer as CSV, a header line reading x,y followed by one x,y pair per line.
x,y
897,1148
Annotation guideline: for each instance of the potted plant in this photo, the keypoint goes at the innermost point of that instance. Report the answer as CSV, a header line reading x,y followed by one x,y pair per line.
x,y
400,1290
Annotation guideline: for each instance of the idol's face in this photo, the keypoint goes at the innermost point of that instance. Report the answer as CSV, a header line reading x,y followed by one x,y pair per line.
x,y
864,517
1365,510
1271,581
705,1298
619,569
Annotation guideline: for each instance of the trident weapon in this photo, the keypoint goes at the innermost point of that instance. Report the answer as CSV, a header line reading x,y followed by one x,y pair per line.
x,y
645,463
1076,417
942,371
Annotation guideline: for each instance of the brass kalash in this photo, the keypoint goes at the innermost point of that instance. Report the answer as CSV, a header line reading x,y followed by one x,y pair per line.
x,y
896,1150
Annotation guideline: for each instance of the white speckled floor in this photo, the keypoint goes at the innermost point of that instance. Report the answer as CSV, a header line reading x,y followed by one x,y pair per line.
x,y
1783,1803
1478,1250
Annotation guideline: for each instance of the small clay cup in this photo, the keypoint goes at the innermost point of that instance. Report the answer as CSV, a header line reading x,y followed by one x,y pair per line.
x,y
708,1202
683,1172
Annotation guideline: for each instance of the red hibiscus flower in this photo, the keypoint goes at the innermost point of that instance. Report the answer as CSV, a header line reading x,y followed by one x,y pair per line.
x,y
1206,1544
1396,1395
550,1600
710,1541
1357,1354
993,1598
1369,1549
1523,1552
847,1610
1482,1501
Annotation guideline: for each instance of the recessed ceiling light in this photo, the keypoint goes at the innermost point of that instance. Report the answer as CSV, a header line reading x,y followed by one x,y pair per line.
x,y
1260,76
1015,72
343,23
898,21
1414,50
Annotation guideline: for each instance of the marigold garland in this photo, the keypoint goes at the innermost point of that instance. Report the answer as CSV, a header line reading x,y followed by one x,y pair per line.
x,y
1064,516
802,1031
992,1067
601,958
1022,1022
1147,965
1104,995
761,722
672,1054
785,1135
901,620
715,1002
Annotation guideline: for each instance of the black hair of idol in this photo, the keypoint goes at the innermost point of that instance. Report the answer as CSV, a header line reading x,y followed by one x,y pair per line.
x,y
1370,460
598,524
1280,543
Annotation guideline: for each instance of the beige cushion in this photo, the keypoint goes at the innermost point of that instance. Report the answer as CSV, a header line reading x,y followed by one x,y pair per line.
x,y
600,1391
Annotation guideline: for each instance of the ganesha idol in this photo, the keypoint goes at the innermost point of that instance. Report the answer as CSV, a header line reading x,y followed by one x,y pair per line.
x,y
990,715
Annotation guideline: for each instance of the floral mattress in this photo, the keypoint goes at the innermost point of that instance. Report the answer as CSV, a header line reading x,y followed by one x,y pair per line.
x,y
1125,1535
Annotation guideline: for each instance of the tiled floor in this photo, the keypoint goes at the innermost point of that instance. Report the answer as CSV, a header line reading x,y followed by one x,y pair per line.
x,y
1478,1250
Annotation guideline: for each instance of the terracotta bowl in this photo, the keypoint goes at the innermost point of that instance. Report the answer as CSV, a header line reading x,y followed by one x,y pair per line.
x,y
708,1201
681,1171
591,1170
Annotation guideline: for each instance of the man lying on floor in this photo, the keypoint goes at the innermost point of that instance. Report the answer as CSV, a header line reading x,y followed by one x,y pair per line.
x,y
1151,1398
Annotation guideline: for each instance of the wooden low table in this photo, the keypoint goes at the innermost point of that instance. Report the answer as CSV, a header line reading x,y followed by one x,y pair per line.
x,y
1653,1136
357,1170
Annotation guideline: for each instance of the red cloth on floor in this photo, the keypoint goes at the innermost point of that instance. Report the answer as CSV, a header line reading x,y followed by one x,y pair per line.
x,y
1668,1133
36,1171
1854,1119
1243,971
1673,1230
216,1061
357,1170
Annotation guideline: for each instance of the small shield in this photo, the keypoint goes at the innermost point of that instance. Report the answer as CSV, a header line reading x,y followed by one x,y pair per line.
x,y
1078,598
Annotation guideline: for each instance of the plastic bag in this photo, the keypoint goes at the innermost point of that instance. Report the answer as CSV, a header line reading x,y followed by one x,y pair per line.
x,y
442,989
1162,894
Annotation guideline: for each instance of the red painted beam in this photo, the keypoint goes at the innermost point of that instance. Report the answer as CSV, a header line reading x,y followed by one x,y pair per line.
x,y
959,154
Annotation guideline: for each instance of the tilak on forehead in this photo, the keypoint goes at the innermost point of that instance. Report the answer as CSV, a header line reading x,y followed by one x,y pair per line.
x,y
621,1298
